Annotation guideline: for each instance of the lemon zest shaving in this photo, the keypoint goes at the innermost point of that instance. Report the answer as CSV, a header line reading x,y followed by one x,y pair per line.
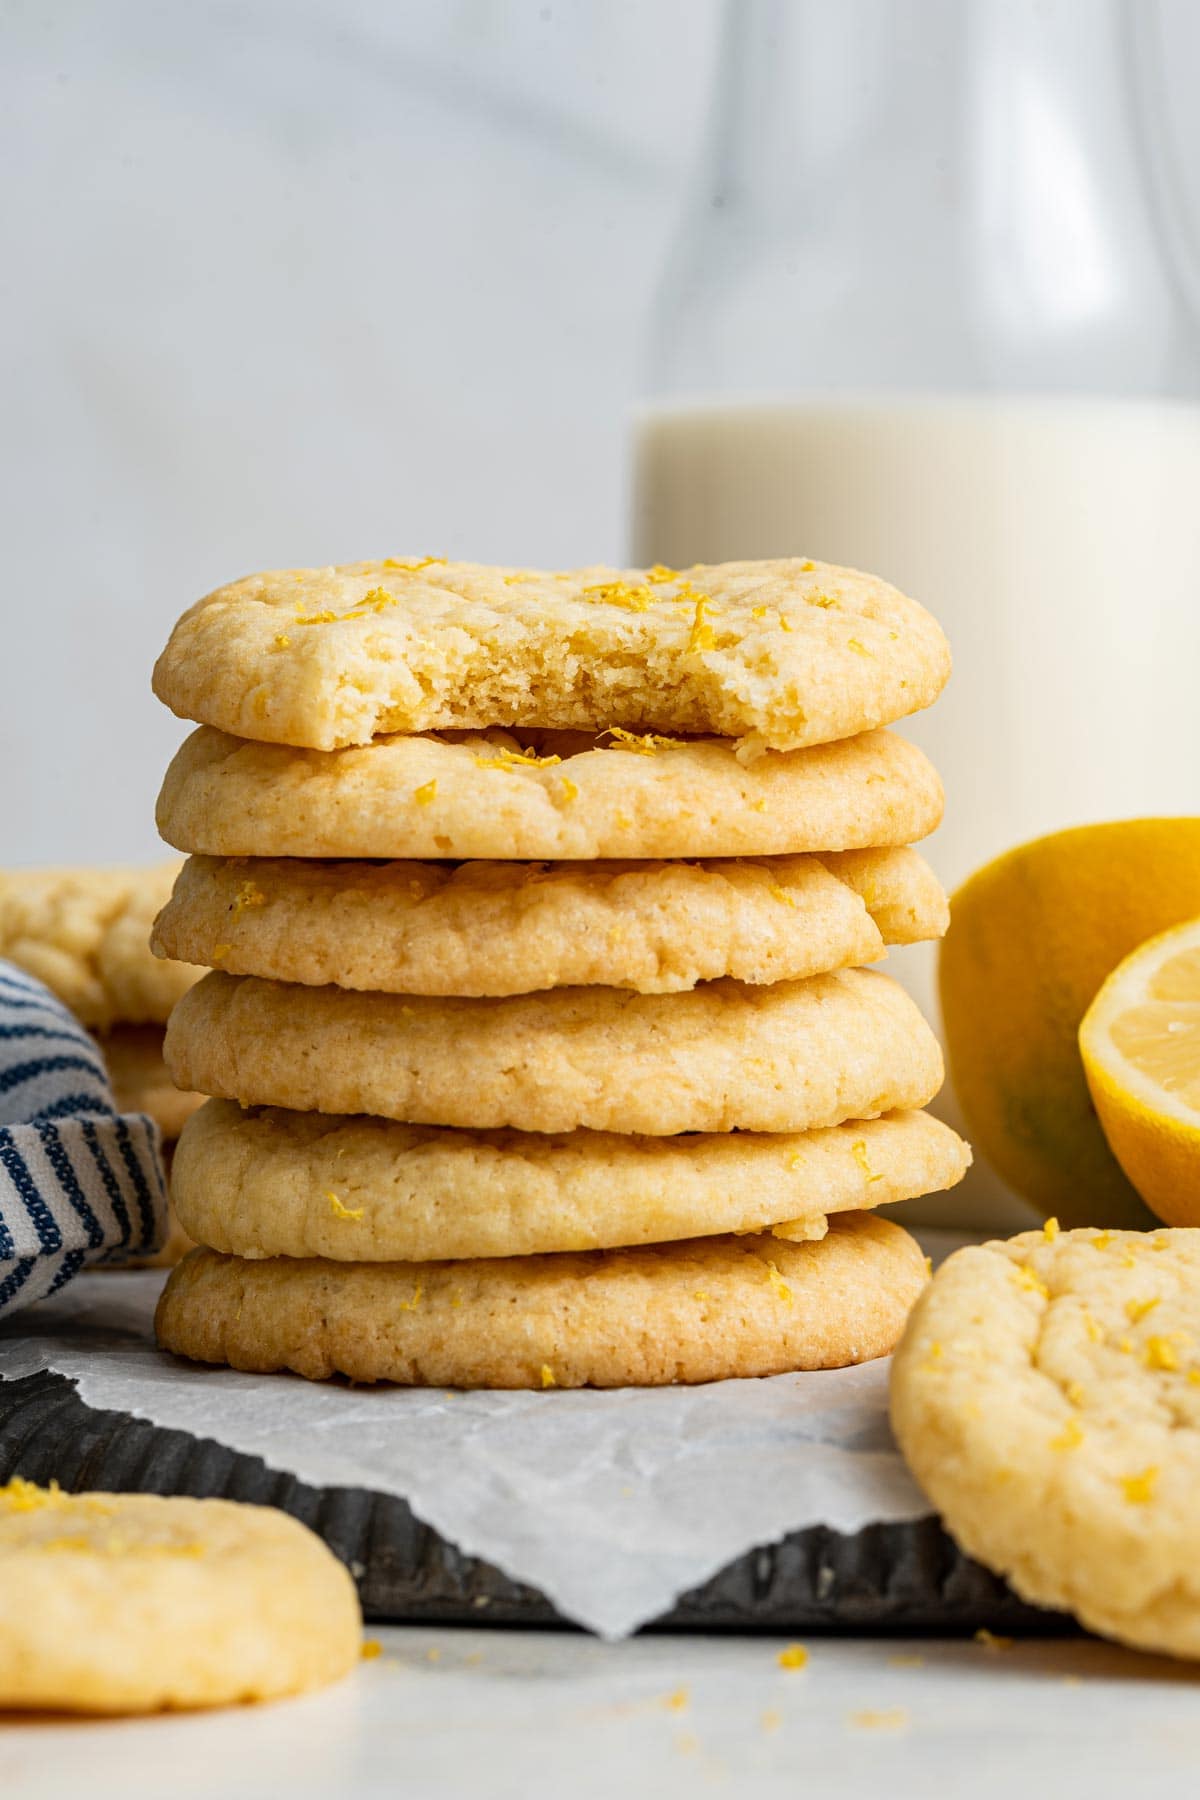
x,y
569,789
425,794
859,1152
344,1212
642,743
1069,1438
1050,1230
1139,1489
702,637
794,1656
549,1378
517,759
782,1290
1136,1310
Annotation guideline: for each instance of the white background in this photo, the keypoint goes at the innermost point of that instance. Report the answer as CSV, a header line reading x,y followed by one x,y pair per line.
x,y
301,281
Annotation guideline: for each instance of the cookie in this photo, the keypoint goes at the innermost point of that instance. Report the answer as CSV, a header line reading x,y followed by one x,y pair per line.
x,y
133,1055
1047,1396
547,797
722,1057
126,1603
85,932
785,653
492,928
701,1311
275,1183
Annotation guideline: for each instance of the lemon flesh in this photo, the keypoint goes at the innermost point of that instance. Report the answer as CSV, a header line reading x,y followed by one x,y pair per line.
x,y
1140,1044
1032,937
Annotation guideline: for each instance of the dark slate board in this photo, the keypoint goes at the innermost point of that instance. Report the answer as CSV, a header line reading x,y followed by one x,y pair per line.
x,y
886,1578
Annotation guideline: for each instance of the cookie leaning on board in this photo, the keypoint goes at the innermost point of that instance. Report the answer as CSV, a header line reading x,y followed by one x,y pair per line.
x,y
536,907
1046,1394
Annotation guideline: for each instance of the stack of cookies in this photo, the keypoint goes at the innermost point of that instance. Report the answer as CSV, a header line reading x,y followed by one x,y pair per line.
x,y
541,1047
84,933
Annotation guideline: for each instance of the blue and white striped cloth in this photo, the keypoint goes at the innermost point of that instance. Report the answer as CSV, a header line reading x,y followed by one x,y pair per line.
x,y
79,1182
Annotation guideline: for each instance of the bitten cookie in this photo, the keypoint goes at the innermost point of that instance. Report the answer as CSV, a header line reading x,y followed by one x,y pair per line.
x,y
1047,1397
125,1603
544,797
784,653
275,1183
722,1057
701,1311
493,928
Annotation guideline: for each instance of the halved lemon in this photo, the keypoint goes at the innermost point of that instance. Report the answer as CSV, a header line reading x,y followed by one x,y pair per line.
x,y
1140,1041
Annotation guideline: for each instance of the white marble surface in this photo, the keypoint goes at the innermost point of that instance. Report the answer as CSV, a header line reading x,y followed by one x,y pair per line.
x,y
524,1715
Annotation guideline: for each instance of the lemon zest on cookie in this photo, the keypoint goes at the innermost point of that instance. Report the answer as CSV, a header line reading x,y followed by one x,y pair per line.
x,y
425,794
1136,1310
413,565
620,593
569,790
781,894
21,1496
859,1152
779,1285
1139,1489
326,617
1031,1282
823,600
785,624
414,1303
248,895
219,952
1051,1230
659,573
793,1656
1069,1438
859,648
702,637
1161,1353
344,1212
282,641
1075,1392
517,759
549,1378
1102,1240
642,743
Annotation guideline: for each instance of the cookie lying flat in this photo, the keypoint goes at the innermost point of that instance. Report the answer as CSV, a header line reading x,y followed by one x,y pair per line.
x,y
85,932
511,928
723,1057
700,1311
122,1603
275,1183
1047,1396
789,652
578,798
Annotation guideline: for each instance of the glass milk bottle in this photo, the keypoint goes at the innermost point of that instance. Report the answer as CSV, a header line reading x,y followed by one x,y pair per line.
x,y
927,317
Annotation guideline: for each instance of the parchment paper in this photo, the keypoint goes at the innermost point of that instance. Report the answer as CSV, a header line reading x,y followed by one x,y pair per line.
x,y
611,1503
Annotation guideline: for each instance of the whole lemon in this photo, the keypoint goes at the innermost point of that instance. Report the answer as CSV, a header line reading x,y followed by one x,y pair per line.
x,y
1032,937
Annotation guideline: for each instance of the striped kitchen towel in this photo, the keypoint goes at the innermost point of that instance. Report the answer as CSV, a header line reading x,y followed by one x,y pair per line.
x,y
79,1182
